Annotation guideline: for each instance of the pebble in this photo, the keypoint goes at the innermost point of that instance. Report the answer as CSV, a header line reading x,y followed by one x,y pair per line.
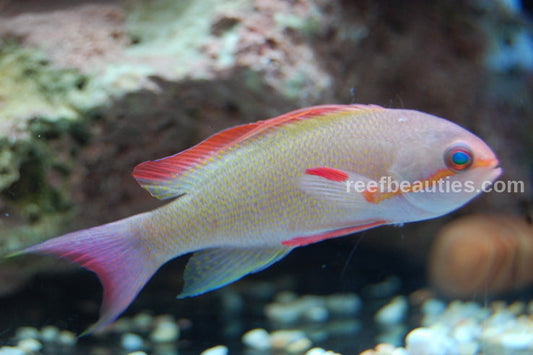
x,y
516,341
344,303
320,351
232,302
466,331
289,308
316,351
299,345
285,297
166,331
392,334
27,332
11,350
426,341
394,312
138,353
280,339
386,349
316,314
283,313
49,333
216,350
433,307
131,342
386,288
517,308
121,325
29,345
257,339
66,337
142,321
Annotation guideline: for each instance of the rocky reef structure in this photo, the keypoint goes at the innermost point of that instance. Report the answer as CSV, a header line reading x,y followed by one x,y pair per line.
x,y
91,88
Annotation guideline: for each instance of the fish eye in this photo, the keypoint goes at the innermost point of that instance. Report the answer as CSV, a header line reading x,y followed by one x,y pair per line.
x,y
458,158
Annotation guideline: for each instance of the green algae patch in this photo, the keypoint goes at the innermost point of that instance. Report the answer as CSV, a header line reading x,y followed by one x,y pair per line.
x,y
31,87
8,166
179,30
38,105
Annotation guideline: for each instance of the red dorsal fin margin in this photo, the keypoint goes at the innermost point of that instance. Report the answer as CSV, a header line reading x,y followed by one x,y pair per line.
x,y
173,166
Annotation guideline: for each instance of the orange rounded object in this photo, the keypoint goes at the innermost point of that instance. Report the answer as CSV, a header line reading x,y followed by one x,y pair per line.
x,y
482,255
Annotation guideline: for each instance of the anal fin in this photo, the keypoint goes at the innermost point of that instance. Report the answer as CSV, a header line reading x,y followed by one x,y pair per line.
x,y
210,269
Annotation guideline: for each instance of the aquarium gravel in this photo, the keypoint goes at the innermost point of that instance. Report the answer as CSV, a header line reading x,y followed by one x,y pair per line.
x,y
414,324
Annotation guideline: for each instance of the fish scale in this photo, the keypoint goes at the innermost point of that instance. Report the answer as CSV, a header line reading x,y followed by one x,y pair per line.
x,y
245,197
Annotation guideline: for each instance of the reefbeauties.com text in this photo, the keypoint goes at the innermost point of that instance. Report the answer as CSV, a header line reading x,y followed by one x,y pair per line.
x,y
387,185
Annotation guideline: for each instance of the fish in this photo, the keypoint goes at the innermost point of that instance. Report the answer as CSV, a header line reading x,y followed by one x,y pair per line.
x,y
245,197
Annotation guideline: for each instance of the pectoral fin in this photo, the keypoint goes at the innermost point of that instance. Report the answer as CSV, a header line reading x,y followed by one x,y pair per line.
x,y
341,188
210,269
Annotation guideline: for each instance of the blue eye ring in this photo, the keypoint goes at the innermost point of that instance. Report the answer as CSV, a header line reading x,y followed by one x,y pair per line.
x,y
458,158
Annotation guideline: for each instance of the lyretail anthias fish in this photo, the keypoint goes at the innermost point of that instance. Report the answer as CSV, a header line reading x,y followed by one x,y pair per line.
x,y
247,196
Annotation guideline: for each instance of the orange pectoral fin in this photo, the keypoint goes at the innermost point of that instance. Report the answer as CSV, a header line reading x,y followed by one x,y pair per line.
x,y
301,241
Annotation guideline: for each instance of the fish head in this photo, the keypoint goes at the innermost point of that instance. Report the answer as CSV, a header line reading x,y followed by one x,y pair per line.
x,y
442,164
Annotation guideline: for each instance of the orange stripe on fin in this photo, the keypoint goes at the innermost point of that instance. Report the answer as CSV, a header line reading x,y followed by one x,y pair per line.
x,y
301,241
152,174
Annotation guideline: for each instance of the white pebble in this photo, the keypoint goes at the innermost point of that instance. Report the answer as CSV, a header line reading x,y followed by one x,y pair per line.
x,y
29,345
299,346
316,351
142,321
280,339
517,308
138,353
26,332
466,331
257,339
392,334
216,350
316,314
130,341
392,313
470,348
344,303
165,332
516,341
11,350
426,341
284,313
49,333
433,307
121,325
66,337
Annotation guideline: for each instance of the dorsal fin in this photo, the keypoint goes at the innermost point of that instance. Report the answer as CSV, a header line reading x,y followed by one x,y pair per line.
x,y
155,175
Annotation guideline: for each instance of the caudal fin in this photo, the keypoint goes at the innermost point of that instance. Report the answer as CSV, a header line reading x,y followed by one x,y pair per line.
x,y
119,256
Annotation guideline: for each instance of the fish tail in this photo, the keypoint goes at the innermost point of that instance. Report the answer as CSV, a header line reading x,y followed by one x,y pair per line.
x,y
117,253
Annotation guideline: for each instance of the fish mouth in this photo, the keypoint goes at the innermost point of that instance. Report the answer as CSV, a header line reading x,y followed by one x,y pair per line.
x,y
492,166
496,169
